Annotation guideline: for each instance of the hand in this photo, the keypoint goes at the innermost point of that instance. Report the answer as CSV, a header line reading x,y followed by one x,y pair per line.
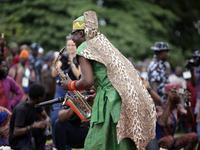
x,y
65,83
187,96
70,60
90,99
48,123
173,94
144,82
39,125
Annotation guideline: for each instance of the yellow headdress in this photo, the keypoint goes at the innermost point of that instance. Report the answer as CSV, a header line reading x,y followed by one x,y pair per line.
x,y
78,24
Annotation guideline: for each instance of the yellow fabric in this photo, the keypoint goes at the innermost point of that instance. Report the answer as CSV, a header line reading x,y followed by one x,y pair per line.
x,y
78,23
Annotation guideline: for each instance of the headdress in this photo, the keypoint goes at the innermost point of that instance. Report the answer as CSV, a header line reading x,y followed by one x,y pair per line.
x,y
24,54
78,24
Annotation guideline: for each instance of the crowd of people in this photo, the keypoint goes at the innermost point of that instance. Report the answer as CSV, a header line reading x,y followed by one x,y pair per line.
x,y
135,105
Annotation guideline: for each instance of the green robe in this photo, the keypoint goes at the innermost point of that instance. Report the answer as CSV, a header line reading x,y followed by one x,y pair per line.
x,y
105,113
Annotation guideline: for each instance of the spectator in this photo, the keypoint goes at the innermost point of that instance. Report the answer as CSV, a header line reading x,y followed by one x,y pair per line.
x,y
36,62
70,129
14,58
195,81
168,117
70,66
48,81
5,115
7,85
177,77
22,126
157,70
22,74
153,145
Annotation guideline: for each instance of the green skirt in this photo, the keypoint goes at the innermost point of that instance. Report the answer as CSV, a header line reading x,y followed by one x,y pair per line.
x,y
102,136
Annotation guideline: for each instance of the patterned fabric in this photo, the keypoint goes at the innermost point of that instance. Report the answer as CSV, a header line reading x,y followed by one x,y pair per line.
x,y
137,116
4,126
106,108
157,73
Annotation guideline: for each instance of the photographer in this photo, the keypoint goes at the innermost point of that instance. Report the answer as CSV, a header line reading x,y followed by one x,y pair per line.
x,y
168,117
22,126
194,65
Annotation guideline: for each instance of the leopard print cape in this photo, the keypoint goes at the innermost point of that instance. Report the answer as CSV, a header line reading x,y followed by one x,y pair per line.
x,y
138,116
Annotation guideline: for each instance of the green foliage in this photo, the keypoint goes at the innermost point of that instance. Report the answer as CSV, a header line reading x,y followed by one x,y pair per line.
x,y
131,26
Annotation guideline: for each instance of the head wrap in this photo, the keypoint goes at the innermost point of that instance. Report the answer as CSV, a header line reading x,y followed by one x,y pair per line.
x,y
78,24
24,54
138,116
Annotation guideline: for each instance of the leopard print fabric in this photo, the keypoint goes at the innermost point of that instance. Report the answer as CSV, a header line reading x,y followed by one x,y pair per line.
x,y
138,116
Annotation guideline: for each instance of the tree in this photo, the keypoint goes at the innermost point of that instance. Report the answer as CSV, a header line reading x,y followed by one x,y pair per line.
x,y
132,26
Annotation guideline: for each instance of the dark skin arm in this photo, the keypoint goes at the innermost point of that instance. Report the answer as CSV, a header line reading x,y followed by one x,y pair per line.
x,y
154,86
193,78
156,98
190,116
20,131
64,114
87,79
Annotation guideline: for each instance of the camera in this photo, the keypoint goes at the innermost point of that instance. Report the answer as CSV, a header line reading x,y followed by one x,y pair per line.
x,y
65,59
195,60
181,91
47,133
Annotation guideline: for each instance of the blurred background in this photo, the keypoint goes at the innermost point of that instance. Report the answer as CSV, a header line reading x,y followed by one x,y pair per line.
x,y
132,26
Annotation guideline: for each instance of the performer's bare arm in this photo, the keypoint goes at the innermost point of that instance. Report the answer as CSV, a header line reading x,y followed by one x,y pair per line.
x,y
87,79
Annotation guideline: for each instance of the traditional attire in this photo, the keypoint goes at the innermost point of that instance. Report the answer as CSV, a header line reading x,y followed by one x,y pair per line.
x,y
122,102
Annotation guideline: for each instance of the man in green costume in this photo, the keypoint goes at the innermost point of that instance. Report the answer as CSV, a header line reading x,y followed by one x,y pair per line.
x,y
123,114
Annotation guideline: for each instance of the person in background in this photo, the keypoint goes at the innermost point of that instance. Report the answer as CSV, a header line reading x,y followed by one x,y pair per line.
x,y
23,125
48,81
70,129
70,66
5,116
177,77
193,91
157,74
36,62
153,145
168,117
22,74
8,85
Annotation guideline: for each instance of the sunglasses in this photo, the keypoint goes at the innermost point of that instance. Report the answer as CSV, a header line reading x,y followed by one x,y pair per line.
x,y
73,32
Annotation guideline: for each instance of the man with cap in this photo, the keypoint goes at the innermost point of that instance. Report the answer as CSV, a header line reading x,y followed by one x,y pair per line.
x,y
123,114
156,70
22,74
